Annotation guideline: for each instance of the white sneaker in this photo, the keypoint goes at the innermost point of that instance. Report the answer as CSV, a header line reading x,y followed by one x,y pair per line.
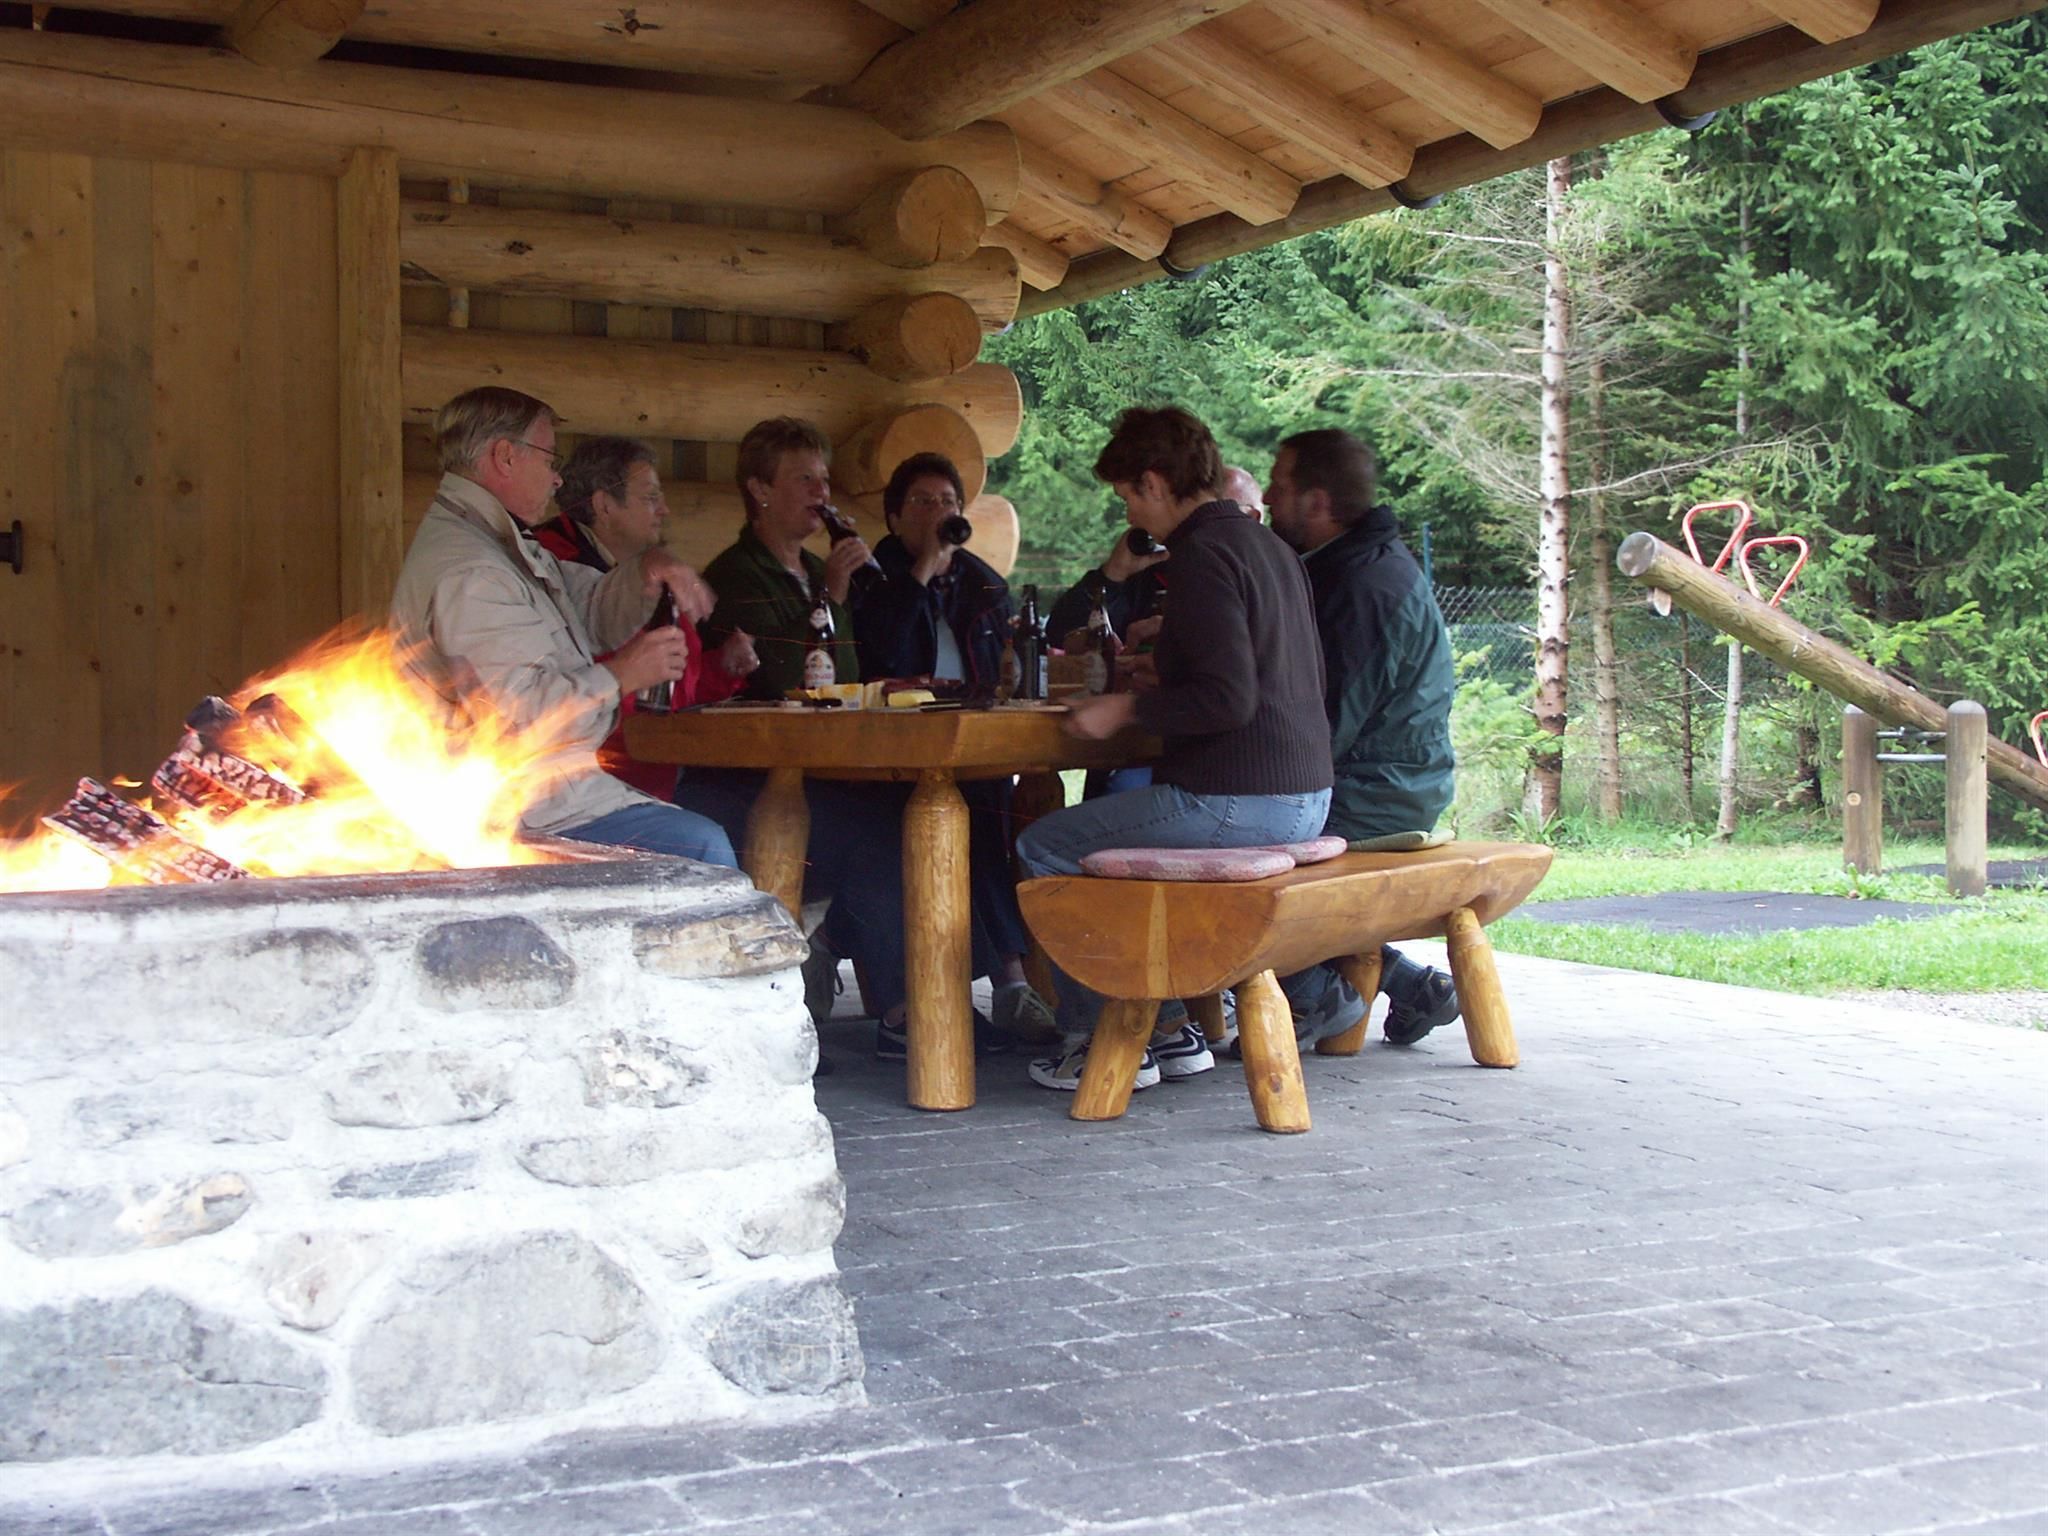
x,y
1063,1073
1184,1053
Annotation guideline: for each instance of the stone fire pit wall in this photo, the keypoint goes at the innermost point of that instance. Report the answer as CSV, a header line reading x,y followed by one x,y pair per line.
x,y
290,1168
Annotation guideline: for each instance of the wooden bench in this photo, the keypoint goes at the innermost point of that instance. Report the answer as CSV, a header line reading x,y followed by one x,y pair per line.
x,y
1139,942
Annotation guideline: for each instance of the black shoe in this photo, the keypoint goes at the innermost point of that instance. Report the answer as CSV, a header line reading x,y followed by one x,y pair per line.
x,y
892,1043
1435,1003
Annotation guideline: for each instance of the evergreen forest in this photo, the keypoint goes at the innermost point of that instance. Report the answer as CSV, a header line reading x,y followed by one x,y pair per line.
x,y
1831,304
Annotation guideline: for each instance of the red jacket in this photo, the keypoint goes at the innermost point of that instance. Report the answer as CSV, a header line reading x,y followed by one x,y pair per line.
x,y
704,679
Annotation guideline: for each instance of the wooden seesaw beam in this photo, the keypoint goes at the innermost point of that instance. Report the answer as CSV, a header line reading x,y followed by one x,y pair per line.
x,y
1645,558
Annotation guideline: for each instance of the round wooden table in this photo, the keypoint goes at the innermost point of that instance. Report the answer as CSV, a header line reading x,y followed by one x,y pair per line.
x,y
934,747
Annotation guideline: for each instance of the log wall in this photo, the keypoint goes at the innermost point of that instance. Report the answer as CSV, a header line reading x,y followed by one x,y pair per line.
x,y
168,429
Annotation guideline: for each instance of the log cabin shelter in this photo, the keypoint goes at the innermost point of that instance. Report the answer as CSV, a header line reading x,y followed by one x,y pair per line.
x,y
248,246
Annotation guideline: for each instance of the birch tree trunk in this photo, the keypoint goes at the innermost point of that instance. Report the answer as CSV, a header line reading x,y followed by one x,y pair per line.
x,y
1731,705
1606,677
1553,564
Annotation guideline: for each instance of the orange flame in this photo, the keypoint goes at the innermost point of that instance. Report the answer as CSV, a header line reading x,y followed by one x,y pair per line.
x,y
396,786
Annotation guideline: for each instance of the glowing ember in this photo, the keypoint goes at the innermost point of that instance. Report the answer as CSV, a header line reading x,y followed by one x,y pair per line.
x,y
391,785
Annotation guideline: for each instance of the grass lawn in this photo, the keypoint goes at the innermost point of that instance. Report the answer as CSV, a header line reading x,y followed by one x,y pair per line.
x,y
1995,943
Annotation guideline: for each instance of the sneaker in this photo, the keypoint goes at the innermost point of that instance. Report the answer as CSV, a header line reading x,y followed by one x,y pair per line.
x,y
1184,1053
1434,1005
1063,1073
1018,1012
892,1041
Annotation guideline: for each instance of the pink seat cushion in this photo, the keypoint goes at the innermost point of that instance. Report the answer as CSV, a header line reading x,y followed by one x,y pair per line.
x,y
1314,850
1188,863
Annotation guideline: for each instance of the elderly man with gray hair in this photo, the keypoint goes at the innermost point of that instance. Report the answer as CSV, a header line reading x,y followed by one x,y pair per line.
x,y
495,624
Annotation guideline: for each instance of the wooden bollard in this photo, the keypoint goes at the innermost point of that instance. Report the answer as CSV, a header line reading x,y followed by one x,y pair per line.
x,y
1862,793
1968,799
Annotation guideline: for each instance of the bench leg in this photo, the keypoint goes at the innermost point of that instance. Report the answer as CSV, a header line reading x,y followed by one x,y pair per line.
x,y
1487,1028
1208,1012
1272,1064
1122,1032
1363,972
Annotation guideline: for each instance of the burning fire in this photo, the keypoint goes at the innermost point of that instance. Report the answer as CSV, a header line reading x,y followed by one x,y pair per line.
x,y
337,763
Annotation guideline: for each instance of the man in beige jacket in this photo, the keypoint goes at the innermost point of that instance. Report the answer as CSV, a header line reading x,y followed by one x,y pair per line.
x,y
493,623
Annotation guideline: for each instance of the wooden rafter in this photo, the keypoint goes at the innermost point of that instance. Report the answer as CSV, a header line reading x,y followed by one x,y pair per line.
x,y
1104,212
1292,105
993,54
1110,108
1421,66
1826,21
1040,263
1617,44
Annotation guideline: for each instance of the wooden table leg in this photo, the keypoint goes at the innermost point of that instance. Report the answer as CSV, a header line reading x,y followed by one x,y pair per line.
x,y
1272,1064
1122,1031
778,835
1363,972
937,940
1487,1028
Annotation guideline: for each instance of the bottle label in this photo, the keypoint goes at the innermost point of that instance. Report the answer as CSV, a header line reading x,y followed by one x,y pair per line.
x,y
1011,673
819,670
1095,672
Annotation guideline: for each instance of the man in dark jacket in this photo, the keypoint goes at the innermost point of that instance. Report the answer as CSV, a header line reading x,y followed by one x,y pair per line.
x,y
1389,683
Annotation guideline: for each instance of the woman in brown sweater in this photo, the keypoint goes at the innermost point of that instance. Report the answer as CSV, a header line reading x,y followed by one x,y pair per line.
x,y
1237,697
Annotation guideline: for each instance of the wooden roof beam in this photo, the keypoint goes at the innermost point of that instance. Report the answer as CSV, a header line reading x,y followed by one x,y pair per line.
x,y
1292,105
1103,211
995,53
154,101
1419,65
1148,130
1039,262
287,33
1615,42
1825,21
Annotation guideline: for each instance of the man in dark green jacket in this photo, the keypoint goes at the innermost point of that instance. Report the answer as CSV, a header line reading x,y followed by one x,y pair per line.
x,y
1389,683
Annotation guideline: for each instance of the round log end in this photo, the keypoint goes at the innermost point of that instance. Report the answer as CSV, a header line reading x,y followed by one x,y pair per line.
x,y
863,462
996,531
912,338
1637,552
923,217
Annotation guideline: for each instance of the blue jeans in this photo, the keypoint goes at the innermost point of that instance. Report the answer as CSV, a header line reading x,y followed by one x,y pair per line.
x,y
661,829
1160,816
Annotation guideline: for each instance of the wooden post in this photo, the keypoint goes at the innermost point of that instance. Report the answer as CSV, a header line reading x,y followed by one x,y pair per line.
x,y
1967,802
1488,1030
778,834
1272,1062
937,923
1648,559
1363,972
372,403
1862,793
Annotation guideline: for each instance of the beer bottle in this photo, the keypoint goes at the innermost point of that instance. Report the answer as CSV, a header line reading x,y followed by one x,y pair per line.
x,y
659,698
1032,663
1009,671
821,666
839,528
1099,668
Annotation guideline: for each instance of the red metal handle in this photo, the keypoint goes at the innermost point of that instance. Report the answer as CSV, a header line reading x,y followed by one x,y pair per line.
x,y
2034,730
1749,577
1734,538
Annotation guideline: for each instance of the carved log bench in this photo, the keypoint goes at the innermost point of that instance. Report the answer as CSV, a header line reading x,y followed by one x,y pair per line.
x,y
1141,941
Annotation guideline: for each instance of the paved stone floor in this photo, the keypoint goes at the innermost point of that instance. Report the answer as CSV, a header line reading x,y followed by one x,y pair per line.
x,y
1710,1261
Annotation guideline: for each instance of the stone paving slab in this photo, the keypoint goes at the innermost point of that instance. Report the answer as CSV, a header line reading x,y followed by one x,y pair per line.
x,y
1711,1260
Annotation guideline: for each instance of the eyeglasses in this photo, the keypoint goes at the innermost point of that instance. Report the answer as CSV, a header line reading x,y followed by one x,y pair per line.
x,y
554,458
923,499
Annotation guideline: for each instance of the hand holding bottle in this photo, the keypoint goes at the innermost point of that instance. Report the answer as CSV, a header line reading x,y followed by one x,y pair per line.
x,y
1124,561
